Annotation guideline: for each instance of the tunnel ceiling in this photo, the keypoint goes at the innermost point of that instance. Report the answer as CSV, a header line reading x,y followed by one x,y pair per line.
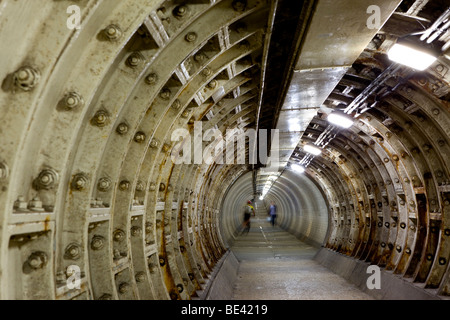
x,y
107,187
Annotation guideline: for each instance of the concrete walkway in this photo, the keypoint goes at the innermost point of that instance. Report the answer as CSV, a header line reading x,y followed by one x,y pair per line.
x,y
274,265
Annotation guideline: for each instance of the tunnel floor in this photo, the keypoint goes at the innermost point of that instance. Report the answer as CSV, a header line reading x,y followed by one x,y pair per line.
x,y
275,265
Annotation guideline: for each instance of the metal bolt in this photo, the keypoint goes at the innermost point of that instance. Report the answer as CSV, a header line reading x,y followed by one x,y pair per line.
x,y
152,186
113,32
79,181
73,251
151,78
212,84
140,277
408,251
442,261
26,78
122,128
46,180
180,11
436,111
124,185
206,72
36,205
165,94
162,261
429,257
154,143
124,287
20,204
200,57
104,184
118,235
134,59
136,231
399,248
402,225
162,187
176,104
37,260
72,100
180,288
100,118
190,37
139,137
97,242
140,186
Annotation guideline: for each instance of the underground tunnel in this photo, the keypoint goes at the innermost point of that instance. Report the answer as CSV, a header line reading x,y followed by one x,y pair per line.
x,y
134,132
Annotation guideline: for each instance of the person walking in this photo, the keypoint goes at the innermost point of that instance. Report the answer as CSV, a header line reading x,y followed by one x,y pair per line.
x,y
272,213
248,211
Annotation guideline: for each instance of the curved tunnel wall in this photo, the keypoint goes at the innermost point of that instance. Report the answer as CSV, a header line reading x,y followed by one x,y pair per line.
x,y
87,181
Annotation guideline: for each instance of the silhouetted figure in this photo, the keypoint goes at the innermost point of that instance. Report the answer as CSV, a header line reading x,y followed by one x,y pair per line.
x,y
248,211
272,213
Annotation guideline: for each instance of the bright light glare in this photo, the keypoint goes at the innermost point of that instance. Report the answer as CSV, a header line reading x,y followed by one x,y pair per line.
x,y
297,168
410,57
340,120
313,150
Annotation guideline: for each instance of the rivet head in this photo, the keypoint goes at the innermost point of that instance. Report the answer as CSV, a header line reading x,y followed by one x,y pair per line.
x,y
79,182
124,185
37,260
151,78
398,248
383,244
139,137
447,232
402,225
436,112
212,84
119,235
97,242
206,72
162,261
408,251
112,32
46,180
100,118
152,186
442,261
122,128
26,78
200,57
430,257
73,251
180,288
395,157
162,187
190,37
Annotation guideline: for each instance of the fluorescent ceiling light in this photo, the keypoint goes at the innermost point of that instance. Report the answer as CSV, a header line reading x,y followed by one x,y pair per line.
x,y
410,56
340,120
297,168
311,149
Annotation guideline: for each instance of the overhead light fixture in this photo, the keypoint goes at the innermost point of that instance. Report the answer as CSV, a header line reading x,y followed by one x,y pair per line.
x,y
340,119
297,168
415,55
311,149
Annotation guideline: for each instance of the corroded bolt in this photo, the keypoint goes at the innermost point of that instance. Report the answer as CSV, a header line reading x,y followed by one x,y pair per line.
x,y
124,185
113,32
97,242
190,37
162,261
124,287
135,59
395,157
122,128
26,78
140,277
79,181
37,260
151,78
165,94
73,251
139,137
36,205
100,118
46,180
104,184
